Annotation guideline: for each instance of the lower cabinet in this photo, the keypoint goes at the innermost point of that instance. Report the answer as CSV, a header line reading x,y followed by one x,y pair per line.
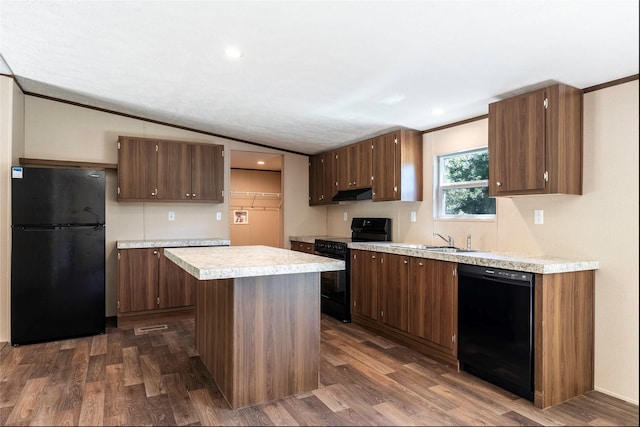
x,y
149,283
176,288
393,288
364,283
299,246
138,274
433,294
410,300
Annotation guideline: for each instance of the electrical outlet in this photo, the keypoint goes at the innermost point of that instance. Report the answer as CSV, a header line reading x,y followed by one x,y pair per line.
x,y
344,216
172,216
413,216
538,216
218,216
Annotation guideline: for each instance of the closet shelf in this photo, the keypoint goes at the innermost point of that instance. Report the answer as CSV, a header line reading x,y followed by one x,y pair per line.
x,y
255,194
254,199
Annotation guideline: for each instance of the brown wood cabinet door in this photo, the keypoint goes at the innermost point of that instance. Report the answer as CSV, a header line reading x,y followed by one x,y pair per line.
x,y
354,169
174,171
315,180
176,287
329,176
137,169
362,164
385,167
419,298
344,168
393,288
302,247
207,172
137,279
433,301
517,157
443,286
364,287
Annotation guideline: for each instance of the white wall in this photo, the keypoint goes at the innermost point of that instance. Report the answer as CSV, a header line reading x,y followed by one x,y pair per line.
x,y
601,224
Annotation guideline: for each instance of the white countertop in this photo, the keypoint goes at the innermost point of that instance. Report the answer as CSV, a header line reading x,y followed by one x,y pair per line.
x,y
530,264
226,262
171,243
312,239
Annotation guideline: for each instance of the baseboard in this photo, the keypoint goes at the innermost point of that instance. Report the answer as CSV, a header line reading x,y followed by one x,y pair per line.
x,y
136,318
616,395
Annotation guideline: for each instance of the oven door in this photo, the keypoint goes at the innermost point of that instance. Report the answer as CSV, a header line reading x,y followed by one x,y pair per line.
x,y
334,290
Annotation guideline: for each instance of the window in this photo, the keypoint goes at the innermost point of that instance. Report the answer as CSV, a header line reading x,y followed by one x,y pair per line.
x,y
462,185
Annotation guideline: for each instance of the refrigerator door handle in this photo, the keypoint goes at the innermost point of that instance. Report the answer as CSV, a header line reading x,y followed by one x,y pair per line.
x,y
35,228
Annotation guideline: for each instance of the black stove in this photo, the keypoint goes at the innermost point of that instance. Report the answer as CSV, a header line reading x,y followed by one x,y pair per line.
x,y
335,285
334,246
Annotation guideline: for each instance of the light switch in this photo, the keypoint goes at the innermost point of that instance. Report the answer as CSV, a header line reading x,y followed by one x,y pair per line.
x,y
344,216
218,216
538,216
413,216
172,216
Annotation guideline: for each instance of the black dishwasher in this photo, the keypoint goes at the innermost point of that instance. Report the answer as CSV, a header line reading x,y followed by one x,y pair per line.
x,y
495,326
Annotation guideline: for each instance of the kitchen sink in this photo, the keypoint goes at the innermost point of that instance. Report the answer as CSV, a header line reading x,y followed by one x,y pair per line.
x,y
448,249
431,247
412,246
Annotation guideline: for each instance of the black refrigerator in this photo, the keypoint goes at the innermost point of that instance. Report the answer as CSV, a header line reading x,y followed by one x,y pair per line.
x,y
57,253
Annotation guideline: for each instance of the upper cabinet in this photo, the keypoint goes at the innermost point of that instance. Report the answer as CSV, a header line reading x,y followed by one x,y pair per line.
x,y
535,143
397,166
151,169
354,163
137,168
207,172
389,164
322,178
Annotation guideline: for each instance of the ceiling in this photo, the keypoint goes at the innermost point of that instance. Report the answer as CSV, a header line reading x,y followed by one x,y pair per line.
x,y
312,75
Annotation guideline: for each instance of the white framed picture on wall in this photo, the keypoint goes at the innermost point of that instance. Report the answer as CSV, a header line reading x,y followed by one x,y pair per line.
x,y
241,217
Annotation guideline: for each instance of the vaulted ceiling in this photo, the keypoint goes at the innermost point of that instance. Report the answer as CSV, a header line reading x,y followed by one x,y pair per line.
x,y
312,75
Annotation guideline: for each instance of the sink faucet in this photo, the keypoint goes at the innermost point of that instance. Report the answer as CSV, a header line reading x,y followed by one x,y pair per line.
x,y
447,239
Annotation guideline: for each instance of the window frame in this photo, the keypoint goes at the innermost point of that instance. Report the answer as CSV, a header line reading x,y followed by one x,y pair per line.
x,y
439,186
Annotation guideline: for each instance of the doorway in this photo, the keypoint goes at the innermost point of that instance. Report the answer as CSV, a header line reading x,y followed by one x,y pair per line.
x,y
255,207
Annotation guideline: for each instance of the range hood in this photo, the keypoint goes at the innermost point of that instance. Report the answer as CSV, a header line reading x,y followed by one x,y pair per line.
x,y
359,194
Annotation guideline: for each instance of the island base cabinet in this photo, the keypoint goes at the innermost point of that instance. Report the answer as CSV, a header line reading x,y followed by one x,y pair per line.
x,y
259,337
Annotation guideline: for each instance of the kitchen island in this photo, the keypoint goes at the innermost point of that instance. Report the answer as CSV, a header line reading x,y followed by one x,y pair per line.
x,y
257,318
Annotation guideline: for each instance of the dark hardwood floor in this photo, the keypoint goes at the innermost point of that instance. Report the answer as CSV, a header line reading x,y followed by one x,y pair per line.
x,y
156,378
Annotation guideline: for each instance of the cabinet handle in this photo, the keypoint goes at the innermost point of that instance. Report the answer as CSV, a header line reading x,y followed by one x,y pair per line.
x,y
498,183
193,194
187,194
406,262
420,264
155,252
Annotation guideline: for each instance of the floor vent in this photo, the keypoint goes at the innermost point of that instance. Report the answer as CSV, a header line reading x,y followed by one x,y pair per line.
x,y
146,329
